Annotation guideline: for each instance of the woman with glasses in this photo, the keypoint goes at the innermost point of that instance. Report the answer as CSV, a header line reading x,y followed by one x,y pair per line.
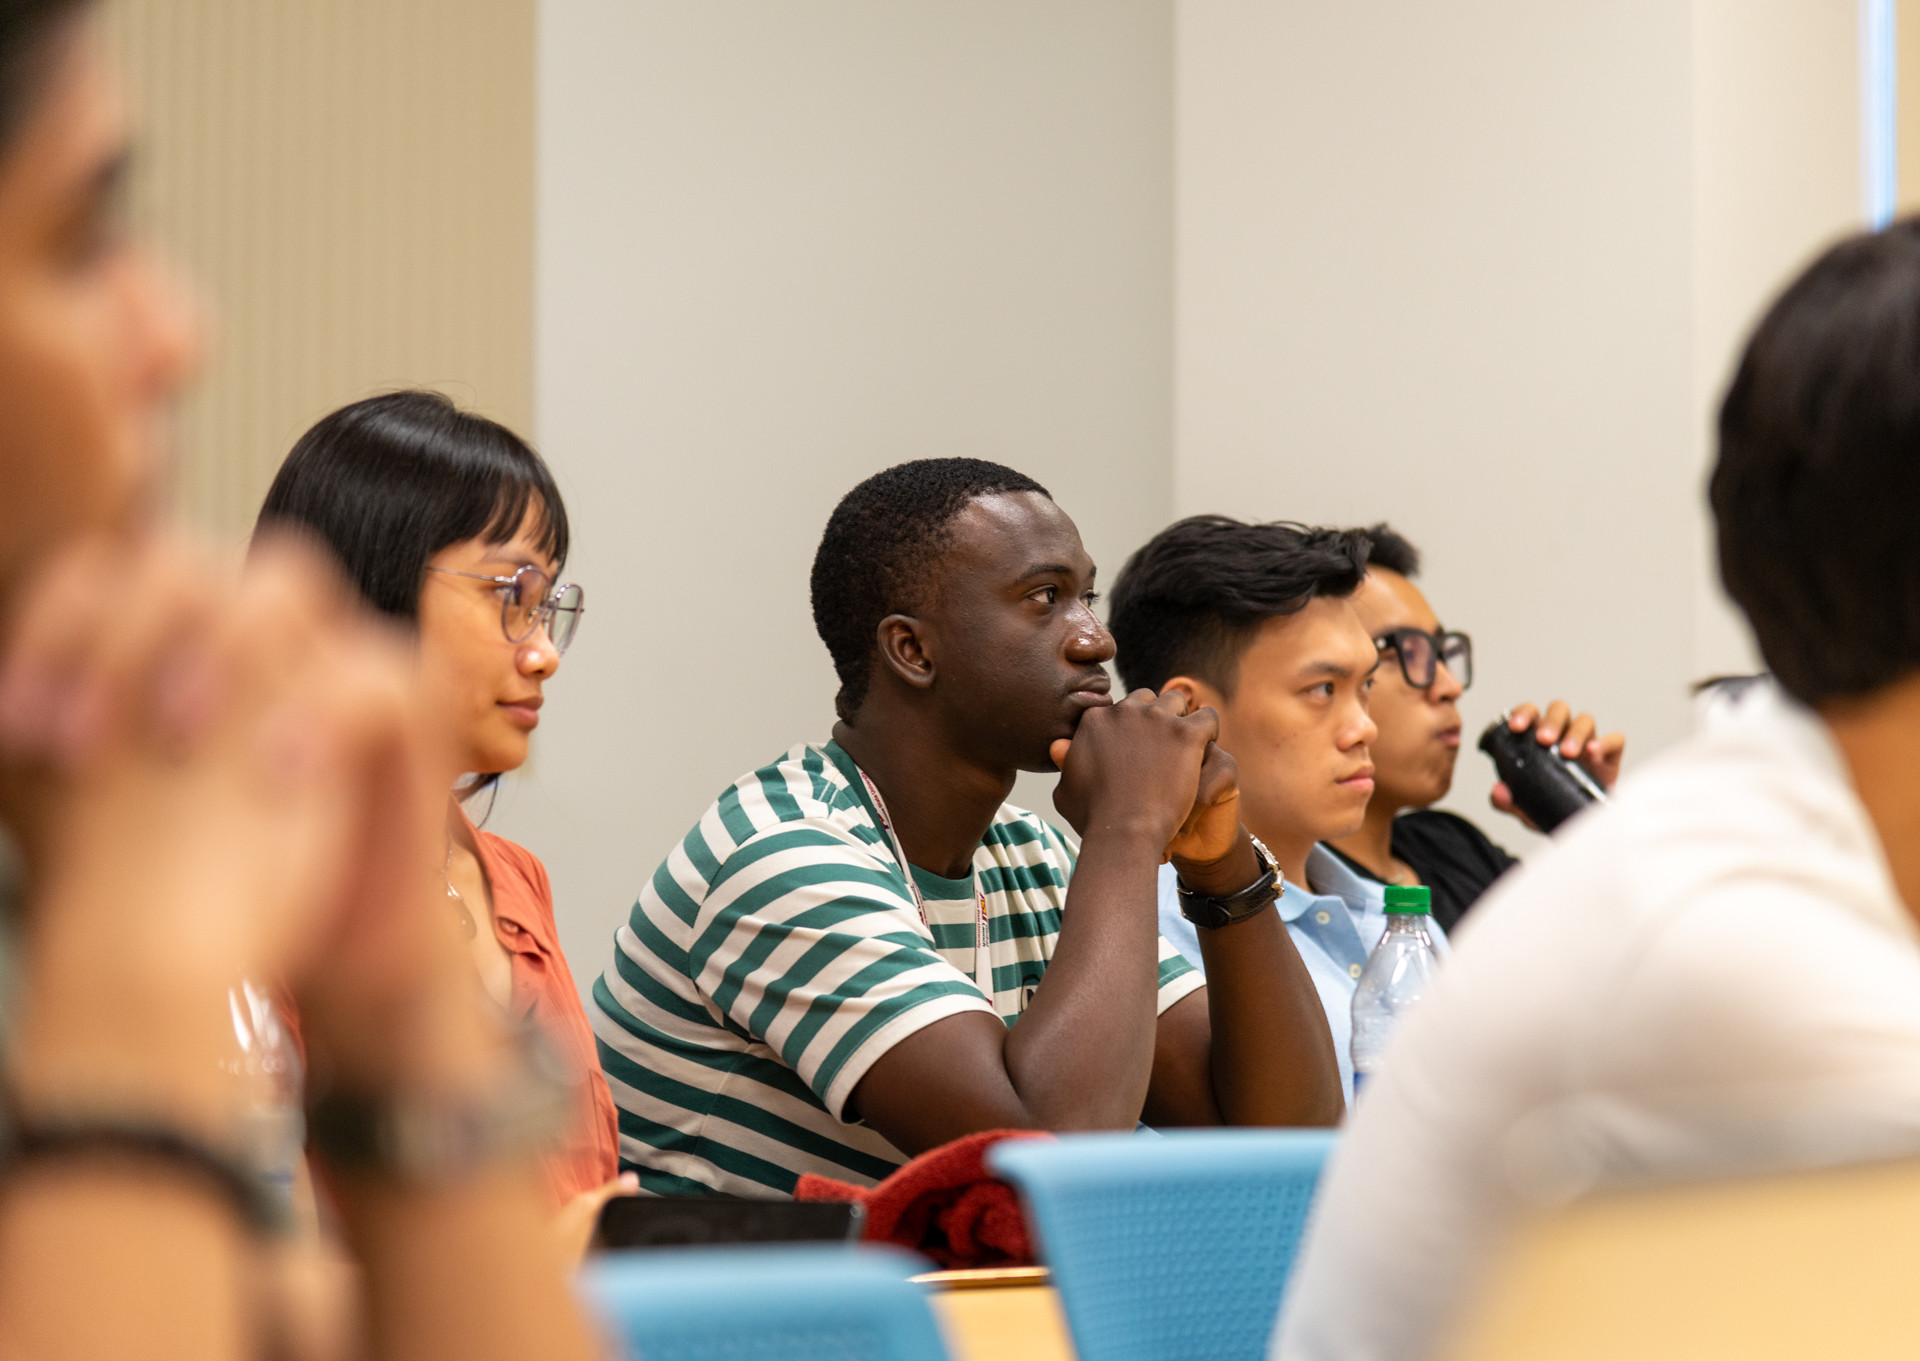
x,y
452,525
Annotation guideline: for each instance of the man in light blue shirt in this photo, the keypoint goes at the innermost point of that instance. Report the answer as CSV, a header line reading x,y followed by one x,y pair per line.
x,y
1255,621
1335,925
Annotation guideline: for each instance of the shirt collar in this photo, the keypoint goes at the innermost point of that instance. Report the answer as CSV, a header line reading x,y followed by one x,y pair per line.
x,y
529,934
1326,872
1334,877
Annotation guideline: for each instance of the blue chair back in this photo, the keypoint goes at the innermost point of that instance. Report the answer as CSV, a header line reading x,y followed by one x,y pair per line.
x,y
764,1304
1171,1246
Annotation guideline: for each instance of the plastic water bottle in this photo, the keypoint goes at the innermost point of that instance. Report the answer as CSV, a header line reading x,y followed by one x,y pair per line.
x,y
1395,977
269,1087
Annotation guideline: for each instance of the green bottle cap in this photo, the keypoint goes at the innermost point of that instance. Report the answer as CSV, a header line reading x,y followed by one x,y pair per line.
x,y
1409,898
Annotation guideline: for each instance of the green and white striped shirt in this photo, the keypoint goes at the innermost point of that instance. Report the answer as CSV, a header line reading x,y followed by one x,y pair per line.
x,y
777,954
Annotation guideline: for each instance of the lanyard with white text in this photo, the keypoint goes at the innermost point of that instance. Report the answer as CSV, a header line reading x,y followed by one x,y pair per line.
x,y
982,956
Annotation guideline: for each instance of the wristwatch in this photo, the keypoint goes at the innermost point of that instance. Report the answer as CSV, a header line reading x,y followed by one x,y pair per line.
x,y
1210,913
418,1139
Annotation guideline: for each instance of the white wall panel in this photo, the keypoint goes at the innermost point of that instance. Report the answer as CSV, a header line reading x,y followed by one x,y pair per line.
x,y
782,246
1478,269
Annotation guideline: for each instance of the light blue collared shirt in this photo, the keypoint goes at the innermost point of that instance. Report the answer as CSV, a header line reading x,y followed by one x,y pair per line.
x,y
1334,926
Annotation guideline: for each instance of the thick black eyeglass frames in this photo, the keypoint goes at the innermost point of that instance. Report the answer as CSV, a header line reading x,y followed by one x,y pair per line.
x,y
1422,654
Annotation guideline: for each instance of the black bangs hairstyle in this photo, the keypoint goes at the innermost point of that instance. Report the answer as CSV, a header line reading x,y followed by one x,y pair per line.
x,y
388,482
1190,601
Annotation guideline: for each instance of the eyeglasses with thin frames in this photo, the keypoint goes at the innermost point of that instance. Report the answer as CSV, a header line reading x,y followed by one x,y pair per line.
x,y
531,601
1422,654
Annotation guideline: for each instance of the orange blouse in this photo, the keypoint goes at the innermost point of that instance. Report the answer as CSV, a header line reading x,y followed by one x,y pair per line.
x,y
588,1155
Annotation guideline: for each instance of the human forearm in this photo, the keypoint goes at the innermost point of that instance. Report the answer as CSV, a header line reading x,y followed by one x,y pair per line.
x,y
466,1271
103,1038
458,1254
115,1026
1086,1048
1253,1048
1082,1055
1271,1056
239,785
105,1258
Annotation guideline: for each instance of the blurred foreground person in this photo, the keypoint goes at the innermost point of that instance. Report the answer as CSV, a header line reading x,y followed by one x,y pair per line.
x,y
1718,972
452,526
1424,671
209,779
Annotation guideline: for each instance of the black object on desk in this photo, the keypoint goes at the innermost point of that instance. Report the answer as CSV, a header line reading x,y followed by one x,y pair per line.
x,y
695,1221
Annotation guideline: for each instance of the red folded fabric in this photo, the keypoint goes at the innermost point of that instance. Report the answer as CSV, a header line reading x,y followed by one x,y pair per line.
x,y
944,1204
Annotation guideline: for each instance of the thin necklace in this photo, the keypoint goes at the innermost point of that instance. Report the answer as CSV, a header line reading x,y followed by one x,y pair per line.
x,y
459,901
982,950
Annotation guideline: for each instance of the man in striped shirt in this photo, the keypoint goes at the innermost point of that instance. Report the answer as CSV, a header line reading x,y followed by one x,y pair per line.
x,y
862,951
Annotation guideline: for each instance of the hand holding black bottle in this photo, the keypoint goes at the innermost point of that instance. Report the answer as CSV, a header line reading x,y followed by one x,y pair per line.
x,y
1545,785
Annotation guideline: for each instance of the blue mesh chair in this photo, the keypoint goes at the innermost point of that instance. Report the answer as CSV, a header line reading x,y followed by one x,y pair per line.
x,y
1176,1246
764,1304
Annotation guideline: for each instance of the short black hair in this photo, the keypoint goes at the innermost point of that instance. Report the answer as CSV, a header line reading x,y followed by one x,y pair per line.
x,y
1190,601
388,482
879,549
1818,474
1391,550
30,40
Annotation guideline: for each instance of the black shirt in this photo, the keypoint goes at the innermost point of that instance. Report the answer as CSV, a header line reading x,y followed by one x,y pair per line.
x,y
1452,857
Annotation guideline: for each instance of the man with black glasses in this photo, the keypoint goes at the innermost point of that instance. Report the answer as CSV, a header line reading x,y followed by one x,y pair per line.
x,y
1255,622
1424,670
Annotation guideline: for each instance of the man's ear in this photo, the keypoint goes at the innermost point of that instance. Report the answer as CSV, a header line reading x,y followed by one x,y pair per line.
x,y
1199,694
902,642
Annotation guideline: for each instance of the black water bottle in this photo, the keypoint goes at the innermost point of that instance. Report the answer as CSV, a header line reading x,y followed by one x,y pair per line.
x,y
1545,785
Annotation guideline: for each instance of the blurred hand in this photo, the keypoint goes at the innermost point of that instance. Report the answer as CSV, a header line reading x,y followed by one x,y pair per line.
x,y
1576,736
235,778
573,1226
188,733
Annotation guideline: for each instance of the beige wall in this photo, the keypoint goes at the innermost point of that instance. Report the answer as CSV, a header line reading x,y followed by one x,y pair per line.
x,y
1906,27
352,183
1478,269
782,246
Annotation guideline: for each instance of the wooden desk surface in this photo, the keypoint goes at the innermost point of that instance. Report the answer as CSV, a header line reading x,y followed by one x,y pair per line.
x,y
1013,1323
1788,1268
